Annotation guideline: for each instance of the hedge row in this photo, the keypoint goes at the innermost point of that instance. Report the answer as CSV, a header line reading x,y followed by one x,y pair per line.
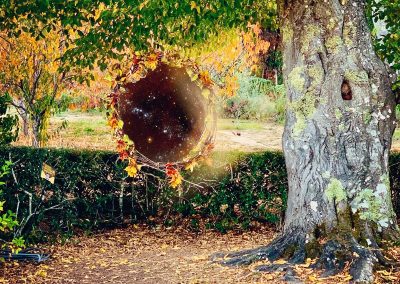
x,y
91,191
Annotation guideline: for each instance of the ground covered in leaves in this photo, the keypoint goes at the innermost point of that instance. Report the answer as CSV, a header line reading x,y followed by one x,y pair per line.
x,y
139,254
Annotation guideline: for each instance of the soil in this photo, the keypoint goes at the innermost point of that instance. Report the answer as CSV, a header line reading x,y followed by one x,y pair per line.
x,y
139,254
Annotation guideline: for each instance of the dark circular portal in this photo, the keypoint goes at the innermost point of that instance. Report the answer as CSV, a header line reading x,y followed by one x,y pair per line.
x,y
164,114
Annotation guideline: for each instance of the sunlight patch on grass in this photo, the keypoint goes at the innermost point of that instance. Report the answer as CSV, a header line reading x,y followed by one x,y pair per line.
x,y
239,124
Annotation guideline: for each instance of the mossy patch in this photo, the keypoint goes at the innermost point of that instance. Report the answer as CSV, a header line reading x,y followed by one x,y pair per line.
x,y
357,77
332,24
287,34
313,249
299,126
310,33
304,108
316,73
338,114
335,191
348,32
367,117
296,79
370,206
333,44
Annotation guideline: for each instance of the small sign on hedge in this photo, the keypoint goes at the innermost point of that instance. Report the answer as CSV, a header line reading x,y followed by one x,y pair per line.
x,y
48,173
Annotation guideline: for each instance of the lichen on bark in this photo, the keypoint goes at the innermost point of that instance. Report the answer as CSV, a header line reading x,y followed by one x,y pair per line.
x,y
335,191
296,79
334,44
287,34
356,76
304,109
369,205
311,33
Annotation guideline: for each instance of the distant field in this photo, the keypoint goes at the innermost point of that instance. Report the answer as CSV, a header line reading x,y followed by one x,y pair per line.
x,y
89,130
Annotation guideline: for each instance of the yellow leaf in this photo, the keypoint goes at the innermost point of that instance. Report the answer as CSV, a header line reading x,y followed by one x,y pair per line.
x,y
176,180
348,278
312,278
41,273
193,6
143,4
132,168
120,124
280,261
190,166
151,61
308,263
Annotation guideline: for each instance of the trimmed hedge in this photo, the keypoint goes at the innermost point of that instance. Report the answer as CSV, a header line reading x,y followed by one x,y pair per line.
x,y
237,190
91,191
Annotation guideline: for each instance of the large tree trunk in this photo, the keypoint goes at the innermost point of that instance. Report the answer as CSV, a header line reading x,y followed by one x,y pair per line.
x,y
339,125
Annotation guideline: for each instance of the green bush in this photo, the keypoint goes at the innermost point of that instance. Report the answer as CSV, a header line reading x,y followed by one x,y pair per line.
x,y
91,191
87,191
8,218
256,98
8,123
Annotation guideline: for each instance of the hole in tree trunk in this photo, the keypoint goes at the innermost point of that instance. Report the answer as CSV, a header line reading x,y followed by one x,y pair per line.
x,y
347,94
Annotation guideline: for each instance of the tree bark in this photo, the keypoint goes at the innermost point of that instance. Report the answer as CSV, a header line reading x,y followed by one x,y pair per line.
x,y
339,124
36,139
25,125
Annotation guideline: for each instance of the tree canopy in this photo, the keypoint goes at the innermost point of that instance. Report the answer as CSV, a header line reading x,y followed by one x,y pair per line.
x,y
100,30
104,28
388,47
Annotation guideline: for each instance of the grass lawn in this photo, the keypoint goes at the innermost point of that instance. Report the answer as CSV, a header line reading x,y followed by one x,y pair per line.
x,y
94,122
89,130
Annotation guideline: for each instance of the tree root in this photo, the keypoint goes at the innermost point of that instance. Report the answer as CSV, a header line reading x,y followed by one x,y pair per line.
x,y
334,256
362,269
271,252
328,260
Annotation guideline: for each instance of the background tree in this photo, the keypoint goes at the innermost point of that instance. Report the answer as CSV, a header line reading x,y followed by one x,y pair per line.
x,y
386,14
29,72
339,121
8,123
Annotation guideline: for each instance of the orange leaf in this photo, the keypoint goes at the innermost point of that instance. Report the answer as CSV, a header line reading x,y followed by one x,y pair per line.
x,y
121,146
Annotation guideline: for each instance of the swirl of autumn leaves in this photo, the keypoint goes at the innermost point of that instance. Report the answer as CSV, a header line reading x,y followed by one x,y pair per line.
x,y
336,147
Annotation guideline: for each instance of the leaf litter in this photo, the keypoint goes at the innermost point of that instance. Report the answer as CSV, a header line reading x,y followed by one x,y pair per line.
x,y
141,254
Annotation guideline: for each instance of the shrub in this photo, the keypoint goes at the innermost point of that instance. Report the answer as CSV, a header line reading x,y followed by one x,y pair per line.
x,y
256,98
91,191
8,123
7,219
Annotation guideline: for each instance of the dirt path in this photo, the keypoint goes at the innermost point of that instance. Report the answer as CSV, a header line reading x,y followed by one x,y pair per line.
x,y
269,138
139,255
